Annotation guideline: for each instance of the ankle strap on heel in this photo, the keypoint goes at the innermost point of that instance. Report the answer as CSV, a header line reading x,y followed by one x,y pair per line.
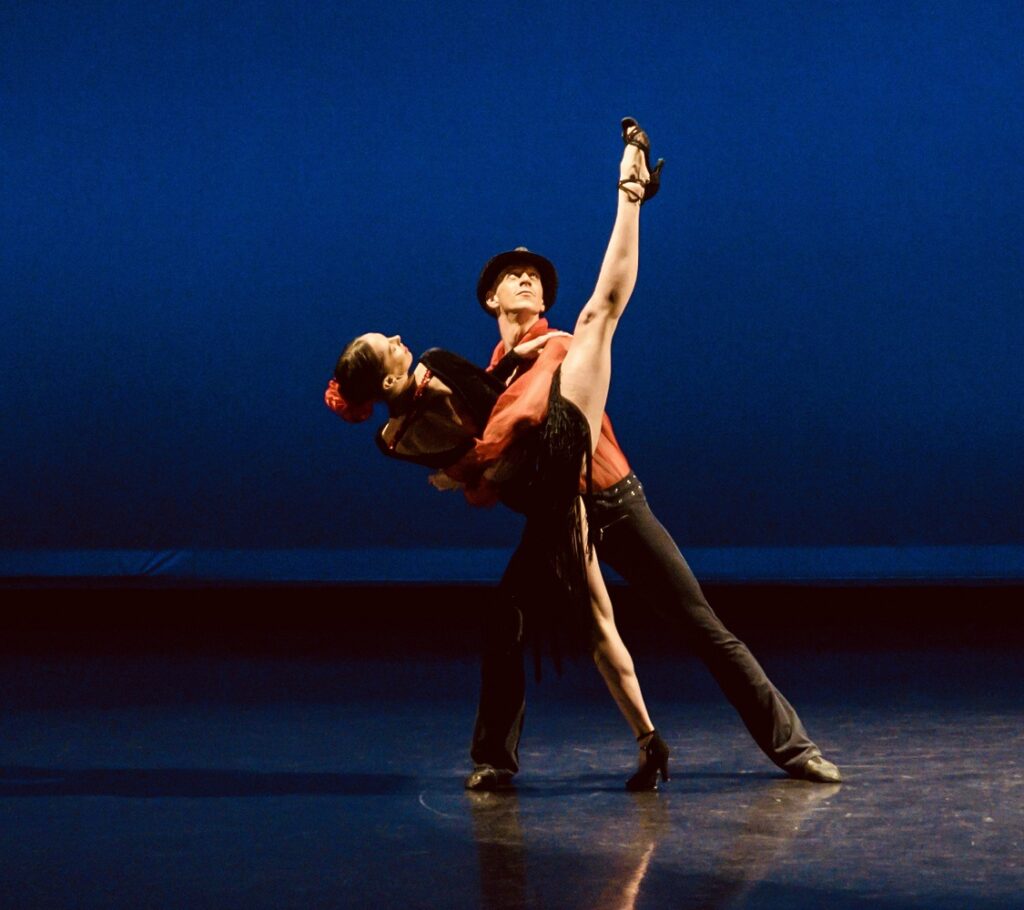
x,y
634,196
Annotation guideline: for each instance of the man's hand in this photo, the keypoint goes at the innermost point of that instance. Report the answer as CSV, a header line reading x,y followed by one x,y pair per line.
x,y
529,350
441,481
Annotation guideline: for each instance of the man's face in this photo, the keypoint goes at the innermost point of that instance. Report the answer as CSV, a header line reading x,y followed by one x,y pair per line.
x,y
518,292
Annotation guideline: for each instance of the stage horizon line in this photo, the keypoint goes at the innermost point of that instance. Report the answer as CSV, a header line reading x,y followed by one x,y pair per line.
x,y
801,565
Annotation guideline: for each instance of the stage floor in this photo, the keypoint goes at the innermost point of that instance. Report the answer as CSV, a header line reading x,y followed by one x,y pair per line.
x,y
219,781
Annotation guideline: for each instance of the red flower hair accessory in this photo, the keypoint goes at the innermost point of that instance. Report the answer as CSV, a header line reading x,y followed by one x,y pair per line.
x,y
353,413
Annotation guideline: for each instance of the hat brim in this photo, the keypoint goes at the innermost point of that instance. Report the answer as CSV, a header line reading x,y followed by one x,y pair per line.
x,y
497,264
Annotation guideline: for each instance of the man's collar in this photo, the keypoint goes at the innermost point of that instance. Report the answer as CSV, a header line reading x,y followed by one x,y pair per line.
x,y
540,327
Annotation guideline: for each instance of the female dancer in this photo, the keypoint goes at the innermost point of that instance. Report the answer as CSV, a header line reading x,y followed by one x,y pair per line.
x,y
439,413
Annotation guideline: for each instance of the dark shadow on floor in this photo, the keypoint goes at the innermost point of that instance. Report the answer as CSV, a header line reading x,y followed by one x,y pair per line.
x,y
197,783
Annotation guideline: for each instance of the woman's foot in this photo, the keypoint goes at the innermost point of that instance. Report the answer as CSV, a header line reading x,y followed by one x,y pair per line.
x,y
636,179
654,755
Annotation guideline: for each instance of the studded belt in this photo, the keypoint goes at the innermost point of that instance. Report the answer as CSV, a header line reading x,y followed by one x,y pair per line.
x,y
627,489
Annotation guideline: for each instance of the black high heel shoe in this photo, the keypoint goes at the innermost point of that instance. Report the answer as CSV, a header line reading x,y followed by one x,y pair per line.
x,y
656,755
633,134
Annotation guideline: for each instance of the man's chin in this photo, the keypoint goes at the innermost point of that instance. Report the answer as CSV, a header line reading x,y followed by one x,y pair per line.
x,y
524,311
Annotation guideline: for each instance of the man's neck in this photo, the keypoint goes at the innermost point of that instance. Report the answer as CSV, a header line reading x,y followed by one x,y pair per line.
x,y
512,332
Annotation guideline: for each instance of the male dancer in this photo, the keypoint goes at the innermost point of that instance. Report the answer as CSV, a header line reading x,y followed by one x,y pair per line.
x,y
516,287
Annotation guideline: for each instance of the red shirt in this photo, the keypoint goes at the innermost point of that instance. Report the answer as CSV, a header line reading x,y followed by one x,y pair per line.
x,y
525,404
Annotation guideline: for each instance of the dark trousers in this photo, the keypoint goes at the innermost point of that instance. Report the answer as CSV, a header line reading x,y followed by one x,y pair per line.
x,y
634,543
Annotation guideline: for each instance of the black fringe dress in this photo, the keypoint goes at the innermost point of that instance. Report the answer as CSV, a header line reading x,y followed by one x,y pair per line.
x,y
541,479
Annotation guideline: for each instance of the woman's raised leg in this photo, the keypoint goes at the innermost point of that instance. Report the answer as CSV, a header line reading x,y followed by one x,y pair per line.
x,y
586,370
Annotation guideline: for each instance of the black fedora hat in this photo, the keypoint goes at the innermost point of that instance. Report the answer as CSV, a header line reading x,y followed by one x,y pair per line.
x,y
497,264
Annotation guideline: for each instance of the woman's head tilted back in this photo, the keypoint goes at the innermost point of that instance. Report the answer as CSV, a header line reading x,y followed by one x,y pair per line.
x,y
368,370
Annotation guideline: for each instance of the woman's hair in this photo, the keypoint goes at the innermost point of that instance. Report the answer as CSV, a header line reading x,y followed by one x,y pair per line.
x,y
357,381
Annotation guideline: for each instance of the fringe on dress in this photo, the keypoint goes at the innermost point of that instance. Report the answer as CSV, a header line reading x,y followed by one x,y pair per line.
x,y
546,488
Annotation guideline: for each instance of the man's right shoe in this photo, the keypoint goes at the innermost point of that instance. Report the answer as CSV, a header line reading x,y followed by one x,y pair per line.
x,y
819,770
484,777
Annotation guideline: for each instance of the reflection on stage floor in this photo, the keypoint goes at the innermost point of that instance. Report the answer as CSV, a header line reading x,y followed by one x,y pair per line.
x,y
223,782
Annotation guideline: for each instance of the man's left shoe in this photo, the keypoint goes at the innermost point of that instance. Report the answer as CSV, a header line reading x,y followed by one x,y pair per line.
x,y
819,770
484,777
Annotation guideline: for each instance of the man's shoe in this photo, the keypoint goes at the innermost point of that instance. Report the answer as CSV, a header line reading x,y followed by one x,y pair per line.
x,y
484,777
820,770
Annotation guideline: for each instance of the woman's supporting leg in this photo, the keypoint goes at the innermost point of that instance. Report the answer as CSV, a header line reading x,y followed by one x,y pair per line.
x,y
611,656
616,666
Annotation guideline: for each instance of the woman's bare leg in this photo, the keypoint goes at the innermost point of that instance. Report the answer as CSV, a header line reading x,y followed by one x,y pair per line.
x,y
586,370
611,656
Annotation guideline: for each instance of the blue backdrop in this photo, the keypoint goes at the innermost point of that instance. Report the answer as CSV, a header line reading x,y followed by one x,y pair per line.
x,y
202,202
